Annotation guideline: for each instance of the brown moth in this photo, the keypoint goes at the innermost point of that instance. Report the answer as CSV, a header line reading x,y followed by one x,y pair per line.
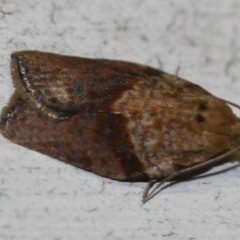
x,y
117,119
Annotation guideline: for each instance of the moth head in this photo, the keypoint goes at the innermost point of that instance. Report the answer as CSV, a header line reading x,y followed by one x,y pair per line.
x,y
216,116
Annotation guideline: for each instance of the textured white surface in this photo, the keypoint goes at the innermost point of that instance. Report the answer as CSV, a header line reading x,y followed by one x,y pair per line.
x,y
42,198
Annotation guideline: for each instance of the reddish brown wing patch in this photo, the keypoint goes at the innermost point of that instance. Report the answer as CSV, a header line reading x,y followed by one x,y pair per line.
x,y
96,142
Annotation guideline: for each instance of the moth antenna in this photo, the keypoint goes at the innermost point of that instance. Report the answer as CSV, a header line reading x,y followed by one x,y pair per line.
x,y
231,103
177,71
148,196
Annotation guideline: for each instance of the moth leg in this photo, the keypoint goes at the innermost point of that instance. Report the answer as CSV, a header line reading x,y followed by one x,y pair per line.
x,y
148,196
147,188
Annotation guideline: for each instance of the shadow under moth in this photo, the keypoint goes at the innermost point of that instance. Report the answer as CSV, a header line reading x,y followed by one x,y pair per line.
x,y
120,120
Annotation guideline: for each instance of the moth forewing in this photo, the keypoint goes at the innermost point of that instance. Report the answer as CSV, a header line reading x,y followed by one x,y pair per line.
x,y
120,120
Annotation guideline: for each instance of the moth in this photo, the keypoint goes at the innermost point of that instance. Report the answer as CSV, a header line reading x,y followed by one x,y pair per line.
x,y
117,119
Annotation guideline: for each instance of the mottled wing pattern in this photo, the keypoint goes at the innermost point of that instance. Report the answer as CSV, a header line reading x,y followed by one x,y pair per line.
x,y
121,120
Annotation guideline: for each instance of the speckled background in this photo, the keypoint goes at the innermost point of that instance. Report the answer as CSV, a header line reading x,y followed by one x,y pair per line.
x,y
42,198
